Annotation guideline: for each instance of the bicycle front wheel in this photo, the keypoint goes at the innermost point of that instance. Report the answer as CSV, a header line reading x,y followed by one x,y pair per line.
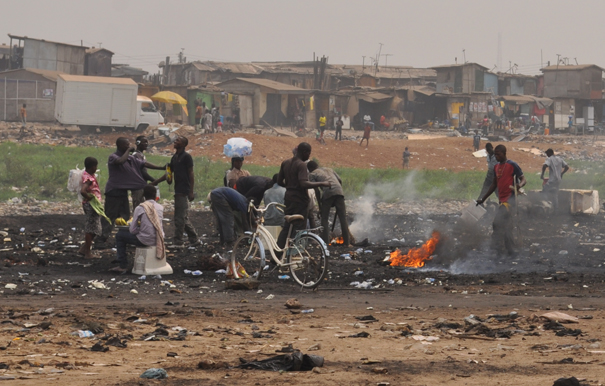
x,y
249,253
308,259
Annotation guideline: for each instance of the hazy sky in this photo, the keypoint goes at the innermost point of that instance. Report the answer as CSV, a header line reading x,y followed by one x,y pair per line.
x,y
419,33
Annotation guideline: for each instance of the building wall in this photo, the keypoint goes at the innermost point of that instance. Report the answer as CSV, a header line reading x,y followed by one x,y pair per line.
x,y
52,56
98,64
37,92
582,84
490,83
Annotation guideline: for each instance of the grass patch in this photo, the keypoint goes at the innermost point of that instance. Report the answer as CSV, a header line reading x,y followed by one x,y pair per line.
x,y
41,172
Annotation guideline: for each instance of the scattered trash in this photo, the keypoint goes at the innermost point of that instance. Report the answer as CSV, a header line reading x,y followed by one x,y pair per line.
x,y
315,347
573,381
358,273
10,286
220,272
133,291
283,277
143,277
295,361
563,252
97,284
293,304
362,334
98,347
85,334
560,317
309,311
271,296
154,373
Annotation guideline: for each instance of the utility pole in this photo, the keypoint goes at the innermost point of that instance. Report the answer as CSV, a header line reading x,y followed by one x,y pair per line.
x,y
386,57
378,58
464,56
363,65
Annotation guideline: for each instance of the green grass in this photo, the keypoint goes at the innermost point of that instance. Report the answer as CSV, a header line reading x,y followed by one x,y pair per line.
x,y
41,172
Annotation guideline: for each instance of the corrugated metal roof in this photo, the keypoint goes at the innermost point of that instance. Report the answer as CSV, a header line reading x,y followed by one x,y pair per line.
x,y
570,68
47,41
458,65
374,97
426,90
48,74
277,86
96,79
94,50
124,70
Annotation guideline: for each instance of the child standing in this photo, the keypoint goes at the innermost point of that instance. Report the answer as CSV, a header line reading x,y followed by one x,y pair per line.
x,y
90,191
23,113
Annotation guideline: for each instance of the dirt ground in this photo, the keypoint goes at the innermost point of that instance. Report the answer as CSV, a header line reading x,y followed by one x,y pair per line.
x,y
430,150
419,335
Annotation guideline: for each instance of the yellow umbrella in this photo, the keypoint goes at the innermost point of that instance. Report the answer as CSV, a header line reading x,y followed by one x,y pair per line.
x,y
172,98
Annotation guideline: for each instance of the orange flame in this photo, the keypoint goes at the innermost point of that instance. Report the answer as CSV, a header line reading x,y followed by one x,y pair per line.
x,y
416,257
338,240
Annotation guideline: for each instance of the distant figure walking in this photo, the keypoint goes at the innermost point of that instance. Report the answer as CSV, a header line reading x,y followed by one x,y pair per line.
x,y
339,124
556,168
23,114
476,141
406,158
366,133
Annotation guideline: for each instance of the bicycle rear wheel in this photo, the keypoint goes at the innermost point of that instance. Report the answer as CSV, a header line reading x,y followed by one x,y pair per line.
x,y
250,254
309,260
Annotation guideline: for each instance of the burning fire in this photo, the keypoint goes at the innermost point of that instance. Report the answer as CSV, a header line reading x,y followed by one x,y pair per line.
x,y
338,240
416,257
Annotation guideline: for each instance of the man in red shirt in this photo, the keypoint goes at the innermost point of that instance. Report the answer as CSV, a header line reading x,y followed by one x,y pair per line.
x,y
506,173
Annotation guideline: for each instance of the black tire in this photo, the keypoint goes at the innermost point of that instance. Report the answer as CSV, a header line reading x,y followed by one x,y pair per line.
x,y
249,254
308,259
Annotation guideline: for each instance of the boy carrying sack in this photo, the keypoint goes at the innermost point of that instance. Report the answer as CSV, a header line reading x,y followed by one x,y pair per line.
x,y
93,209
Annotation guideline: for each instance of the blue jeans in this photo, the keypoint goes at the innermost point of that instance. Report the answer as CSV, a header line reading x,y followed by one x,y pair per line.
x,y
124,238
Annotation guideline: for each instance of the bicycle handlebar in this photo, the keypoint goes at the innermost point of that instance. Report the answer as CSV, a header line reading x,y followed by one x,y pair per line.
x,y
278,205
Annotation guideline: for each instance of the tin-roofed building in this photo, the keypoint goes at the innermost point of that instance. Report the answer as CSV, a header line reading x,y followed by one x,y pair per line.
x,y
30,53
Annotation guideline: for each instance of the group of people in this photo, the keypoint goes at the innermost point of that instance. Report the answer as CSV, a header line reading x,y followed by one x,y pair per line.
x,y
506,179
298,181
127,168
128,172
207,119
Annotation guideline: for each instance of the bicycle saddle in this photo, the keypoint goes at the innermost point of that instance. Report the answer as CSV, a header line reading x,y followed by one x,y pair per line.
x,y
294,217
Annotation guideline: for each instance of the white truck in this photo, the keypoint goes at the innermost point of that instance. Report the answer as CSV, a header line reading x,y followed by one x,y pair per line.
x,y
92,102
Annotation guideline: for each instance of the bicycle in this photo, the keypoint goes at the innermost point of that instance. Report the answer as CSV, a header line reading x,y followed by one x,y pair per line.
x,y
306,255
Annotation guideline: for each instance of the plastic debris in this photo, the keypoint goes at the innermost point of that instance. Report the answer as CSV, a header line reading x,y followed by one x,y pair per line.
x,y
10,286
133,291
563,252
309,311
358,273
154,373
283,277
221,272
271,296
85,334
97,284
295,361
143,277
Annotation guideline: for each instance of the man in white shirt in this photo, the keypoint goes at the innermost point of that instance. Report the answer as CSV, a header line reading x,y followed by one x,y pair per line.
x,y
145,230
556,168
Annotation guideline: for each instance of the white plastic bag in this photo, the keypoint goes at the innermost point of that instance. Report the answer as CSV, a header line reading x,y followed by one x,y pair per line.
x,y
237,147
74,182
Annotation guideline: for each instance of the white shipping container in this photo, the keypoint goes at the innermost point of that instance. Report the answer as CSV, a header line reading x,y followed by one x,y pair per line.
x,y
96,101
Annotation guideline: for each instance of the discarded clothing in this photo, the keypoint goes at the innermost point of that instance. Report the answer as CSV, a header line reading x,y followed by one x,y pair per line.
x,y
287,362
